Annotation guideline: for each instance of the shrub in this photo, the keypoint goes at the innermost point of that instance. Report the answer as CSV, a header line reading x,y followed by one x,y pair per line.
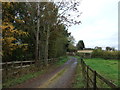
x,y
106,54
97,53
80,54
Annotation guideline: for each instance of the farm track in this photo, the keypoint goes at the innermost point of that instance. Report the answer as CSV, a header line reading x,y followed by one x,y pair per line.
x,y
60,77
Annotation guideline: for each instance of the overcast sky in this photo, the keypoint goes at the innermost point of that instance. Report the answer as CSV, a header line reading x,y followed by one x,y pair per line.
x,y
99,23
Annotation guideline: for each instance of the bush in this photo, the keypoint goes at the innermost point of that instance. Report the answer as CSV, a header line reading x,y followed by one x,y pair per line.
x,y
106,54
97,53
80,54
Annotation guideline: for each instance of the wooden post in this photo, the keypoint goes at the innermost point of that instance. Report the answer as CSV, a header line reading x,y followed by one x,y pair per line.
x,y
31,63
12,64
87,78
13,70
6,70
94,80
82,65
84,68
21,64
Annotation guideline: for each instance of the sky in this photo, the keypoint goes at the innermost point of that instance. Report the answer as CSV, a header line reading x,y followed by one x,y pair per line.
x,y
99,23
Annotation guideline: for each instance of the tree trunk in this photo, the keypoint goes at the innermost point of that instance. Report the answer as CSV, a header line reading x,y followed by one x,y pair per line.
x,y
37,36
46,46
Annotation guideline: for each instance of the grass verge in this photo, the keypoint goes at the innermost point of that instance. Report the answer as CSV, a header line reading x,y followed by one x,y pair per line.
x,y
62,60
14,81
78,81
18,80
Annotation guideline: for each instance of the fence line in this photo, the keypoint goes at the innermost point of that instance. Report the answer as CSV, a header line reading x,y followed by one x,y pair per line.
x,y
11,66
93,80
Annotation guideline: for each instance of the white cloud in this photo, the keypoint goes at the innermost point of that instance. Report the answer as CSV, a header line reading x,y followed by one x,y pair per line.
x,y
99,23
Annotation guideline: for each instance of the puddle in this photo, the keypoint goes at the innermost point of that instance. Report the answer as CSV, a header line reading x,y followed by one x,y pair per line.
x,y
75,62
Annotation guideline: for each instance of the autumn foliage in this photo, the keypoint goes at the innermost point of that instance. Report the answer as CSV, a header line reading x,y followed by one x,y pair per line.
x,y
10,40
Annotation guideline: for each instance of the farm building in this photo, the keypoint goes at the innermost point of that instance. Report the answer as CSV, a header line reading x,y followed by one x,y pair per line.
x,y
85,53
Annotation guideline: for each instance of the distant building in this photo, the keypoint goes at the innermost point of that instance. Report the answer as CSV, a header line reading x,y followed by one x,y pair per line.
x,y
85,53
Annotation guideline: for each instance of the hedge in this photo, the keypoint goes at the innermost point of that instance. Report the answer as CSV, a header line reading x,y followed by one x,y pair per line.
x,y
106,54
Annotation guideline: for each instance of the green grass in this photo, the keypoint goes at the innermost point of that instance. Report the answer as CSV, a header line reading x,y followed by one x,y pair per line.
x,y
62,60
78,81
17,80
21,79
107,68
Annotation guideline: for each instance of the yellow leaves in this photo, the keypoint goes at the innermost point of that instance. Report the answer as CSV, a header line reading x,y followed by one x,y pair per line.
x,y
10,35
24,46
6,3
20,32
19,21
8,40
12,47
9,30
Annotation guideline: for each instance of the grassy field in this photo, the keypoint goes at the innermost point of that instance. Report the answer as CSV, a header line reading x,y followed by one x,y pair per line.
x,y
17,80
107,68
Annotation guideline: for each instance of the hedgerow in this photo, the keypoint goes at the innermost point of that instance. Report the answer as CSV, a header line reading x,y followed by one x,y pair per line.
x,y
106,54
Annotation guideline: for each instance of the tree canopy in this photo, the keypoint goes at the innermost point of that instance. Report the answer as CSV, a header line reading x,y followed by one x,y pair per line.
x,y
37,31
80,45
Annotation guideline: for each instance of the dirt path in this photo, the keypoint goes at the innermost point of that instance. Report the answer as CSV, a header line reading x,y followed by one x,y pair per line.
x,y
60,77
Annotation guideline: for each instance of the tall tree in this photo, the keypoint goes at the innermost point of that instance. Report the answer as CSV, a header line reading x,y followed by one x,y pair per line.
x,y
12,36
46,23
80,45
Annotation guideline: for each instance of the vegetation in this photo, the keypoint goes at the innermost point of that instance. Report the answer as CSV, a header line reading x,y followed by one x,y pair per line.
x,y
78,81
80,45
70,45
30,73
36,31
23,78
80,54
62,60
107,68
110,48
98,53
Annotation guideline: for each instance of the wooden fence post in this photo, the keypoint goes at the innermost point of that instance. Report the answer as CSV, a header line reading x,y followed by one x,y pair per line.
x,y
13,70
21,64
6,70
87,78
82,66
94,80
31,63
12,64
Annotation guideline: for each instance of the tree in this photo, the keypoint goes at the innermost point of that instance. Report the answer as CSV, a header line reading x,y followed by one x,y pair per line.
x,y
65,15
12,36
57,41
70,45
108,48
46,24
11,39
100,48
80,45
